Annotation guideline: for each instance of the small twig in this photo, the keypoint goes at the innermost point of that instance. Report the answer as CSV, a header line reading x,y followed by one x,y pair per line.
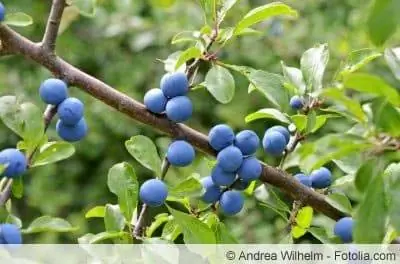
x,y
297,205
297,139
53,24
6,192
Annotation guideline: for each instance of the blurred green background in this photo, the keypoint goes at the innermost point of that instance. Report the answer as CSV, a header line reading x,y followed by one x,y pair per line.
x,y
120,46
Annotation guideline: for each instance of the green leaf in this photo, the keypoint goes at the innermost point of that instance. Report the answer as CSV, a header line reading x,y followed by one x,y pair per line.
x,y
185,36
352,106
262,13
358,59
220,83
145,152
304,217
386,117
98,211
159,220
367,172
392,57
340,202
52,152
2,168
392,173
268,113
170,62
225,7
373,85
171,230
370,218
311,121
86,7
190,187
294,77
18,188
113,218
222,234
163,3
298,231
383,20
190,53
18,19
300,121
49,224
313,63
194,231
210,10
123,183
271,86
93,239
320,234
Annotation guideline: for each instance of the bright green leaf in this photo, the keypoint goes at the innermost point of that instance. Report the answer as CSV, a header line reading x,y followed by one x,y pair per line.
x,y
190,187
367,172
340,202
159,220
86,7
220,83
123,183
18,188
313,63
297,231
294,77
264,12
222,234
185,36
386,117
52,152
163,3
145,152
268,113
49,224
392,57
93,239
98,211
190,53
392,174
18,19
358,59
170,62
171,230
113,218
320,234
304,217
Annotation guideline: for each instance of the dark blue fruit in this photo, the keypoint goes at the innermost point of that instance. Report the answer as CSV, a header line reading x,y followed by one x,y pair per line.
x,y
240,185
247,141
180,153
221,177
321,178
221,136
155,101
2,12
15,162
70,111
344,229
274,143
174,84
10,234
250,170
72,133
153,192
283,130
303,179
212,192
53,91
179,109
231,202
230,159
296,102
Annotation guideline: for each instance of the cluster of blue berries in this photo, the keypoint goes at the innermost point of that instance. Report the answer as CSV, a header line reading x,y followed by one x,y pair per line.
x,y
170,99
275,140
10,234
71,125
318,179
236,167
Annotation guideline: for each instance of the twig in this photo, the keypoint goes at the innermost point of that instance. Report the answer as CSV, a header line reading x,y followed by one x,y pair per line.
x,y
297,139
6,192
53,24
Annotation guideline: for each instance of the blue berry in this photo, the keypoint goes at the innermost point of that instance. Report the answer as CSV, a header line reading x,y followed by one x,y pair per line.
x,y
179,109
70,111
53,91
180,153
153,192
212,192
250,170
283,130
10,234
15,162
230,159
344,229
221,177
303,179
174,84
155,101
321,178
72,133
2,12
221,136
274,143
241,185
296,102
231,202
247,141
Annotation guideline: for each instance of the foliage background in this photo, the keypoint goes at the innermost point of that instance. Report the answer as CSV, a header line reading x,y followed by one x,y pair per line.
x,y
120,46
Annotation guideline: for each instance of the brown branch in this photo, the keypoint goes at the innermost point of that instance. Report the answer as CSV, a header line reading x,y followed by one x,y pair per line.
x,y
53,24
138,112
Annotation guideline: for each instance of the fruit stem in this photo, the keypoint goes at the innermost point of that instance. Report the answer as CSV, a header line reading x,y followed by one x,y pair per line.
x,y
5,193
